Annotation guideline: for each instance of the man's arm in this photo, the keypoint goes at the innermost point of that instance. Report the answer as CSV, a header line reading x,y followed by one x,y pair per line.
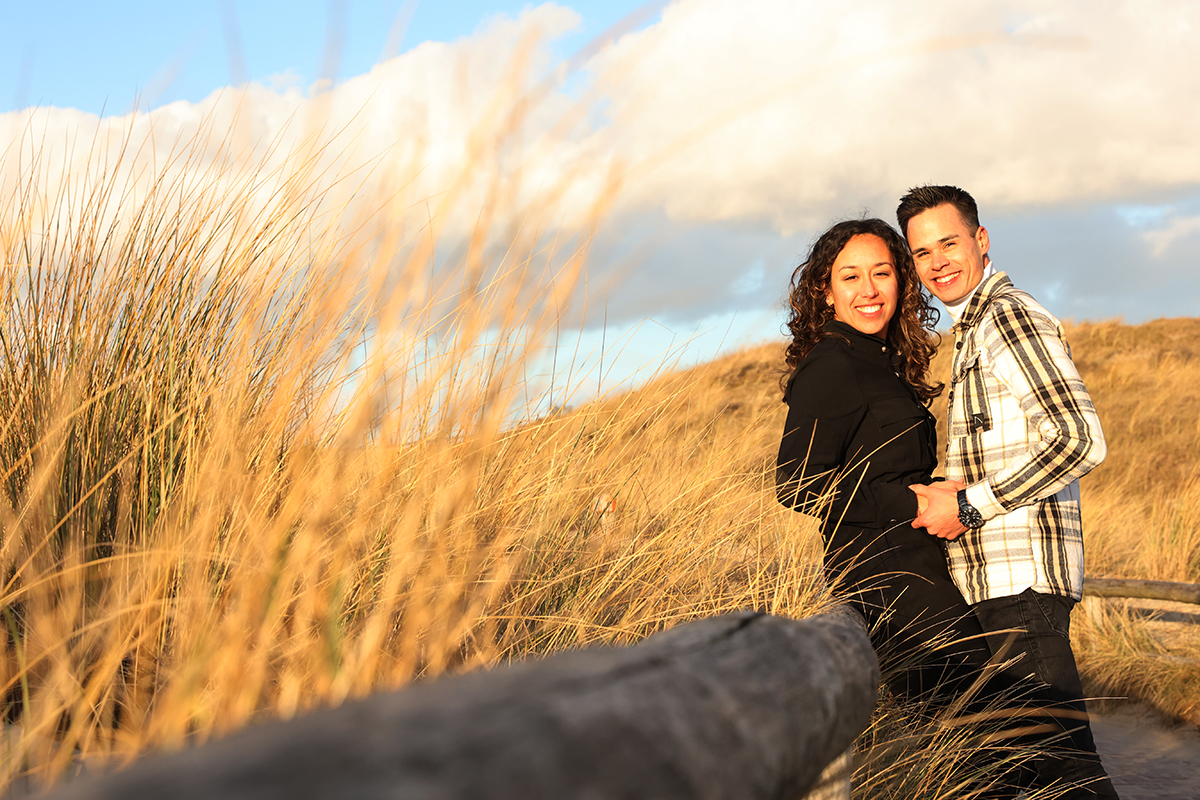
x,y
1030,357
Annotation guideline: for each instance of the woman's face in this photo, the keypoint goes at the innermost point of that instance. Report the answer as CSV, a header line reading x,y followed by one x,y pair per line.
x,y
863,288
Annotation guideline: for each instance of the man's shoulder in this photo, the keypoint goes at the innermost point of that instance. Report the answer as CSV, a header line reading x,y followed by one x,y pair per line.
x,y
1009,305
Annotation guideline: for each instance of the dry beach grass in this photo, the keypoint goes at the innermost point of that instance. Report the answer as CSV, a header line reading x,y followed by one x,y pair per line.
x,y
220,506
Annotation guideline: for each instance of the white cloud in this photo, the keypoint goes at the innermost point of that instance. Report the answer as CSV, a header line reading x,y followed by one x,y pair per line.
x,y
443,120
751,120
1177,229
784,112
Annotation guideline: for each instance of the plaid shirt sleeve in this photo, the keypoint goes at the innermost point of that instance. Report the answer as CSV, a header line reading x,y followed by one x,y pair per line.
x,y
1030,356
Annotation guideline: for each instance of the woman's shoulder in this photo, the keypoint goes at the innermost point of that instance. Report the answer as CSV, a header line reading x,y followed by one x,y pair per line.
x,y
827,369
831,353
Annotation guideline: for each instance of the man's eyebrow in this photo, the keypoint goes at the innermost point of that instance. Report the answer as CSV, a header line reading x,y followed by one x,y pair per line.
x,y
942,240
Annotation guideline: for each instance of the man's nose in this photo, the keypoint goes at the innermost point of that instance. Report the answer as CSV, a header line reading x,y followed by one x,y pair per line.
x,y
939,259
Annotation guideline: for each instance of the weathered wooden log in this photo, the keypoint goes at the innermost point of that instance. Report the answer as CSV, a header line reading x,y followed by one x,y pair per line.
x,y
1143,590
743,706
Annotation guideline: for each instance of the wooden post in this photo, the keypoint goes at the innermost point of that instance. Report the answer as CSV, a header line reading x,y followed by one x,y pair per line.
x,y
741,706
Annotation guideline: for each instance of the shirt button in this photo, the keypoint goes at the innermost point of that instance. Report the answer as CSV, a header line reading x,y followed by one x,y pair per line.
x,y
958,345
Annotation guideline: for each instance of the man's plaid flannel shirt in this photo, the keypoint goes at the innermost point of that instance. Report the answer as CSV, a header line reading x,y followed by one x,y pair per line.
x,y
1021,432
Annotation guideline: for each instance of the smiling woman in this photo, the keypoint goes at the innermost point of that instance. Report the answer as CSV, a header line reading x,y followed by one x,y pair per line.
x,y
857,436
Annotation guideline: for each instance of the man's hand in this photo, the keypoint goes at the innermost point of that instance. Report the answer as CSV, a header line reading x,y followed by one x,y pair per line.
x,y
937,509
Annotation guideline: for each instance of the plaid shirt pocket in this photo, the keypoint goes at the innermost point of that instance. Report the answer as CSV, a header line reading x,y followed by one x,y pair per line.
x,y
970,418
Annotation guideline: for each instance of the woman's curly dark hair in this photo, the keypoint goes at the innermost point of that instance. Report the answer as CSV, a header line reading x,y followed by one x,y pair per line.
x,y
910,333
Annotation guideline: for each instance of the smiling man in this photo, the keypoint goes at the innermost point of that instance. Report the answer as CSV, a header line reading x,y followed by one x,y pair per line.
x,y
1021,431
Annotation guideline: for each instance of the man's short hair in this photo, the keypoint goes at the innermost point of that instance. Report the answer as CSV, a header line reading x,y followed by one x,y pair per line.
x,y
923,198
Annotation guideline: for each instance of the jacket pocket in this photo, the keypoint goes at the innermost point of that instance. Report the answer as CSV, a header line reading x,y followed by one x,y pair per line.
x,y
904,429
970,412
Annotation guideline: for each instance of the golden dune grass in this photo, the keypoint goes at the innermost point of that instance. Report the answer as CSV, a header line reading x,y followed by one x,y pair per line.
x,y
219,507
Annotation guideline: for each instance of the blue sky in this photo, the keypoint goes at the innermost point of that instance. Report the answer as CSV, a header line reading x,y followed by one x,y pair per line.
x,y
101,56
750,126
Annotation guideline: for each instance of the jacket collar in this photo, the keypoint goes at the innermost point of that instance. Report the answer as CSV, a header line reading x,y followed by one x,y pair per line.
x,y
863,342
982,298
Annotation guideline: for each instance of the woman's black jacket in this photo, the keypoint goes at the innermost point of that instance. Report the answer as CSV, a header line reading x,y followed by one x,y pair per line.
x,y
855,425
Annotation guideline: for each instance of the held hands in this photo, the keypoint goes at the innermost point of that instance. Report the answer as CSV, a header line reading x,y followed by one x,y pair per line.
x,y
937,508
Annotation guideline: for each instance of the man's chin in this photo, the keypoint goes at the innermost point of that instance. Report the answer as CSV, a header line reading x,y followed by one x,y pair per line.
x,y
948,295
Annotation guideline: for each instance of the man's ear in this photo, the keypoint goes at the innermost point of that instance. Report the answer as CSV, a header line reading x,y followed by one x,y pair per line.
x,y
981,236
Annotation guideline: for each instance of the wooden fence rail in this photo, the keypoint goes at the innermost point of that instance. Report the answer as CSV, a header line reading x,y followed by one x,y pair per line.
x,y
742,706
1143,590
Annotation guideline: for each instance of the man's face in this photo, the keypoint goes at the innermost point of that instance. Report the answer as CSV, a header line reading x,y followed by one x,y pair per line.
x,y
949,256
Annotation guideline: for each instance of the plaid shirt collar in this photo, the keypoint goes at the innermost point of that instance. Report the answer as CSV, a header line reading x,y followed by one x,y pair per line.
x,y
981,300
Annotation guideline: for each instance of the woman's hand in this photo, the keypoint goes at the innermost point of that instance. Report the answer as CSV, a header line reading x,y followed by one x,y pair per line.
x,y
937,508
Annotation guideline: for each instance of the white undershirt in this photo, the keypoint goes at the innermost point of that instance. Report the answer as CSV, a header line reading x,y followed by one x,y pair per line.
x,y
959,306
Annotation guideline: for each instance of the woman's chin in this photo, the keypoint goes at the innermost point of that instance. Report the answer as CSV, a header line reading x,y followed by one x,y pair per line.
x,y
872,326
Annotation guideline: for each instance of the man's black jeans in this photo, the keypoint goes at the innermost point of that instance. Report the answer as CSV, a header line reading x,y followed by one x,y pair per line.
x,y
1034,628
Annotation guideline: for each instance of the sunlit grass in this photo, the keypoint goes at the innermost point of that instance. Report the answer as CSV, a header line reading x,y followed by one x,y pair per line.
x,y
253,464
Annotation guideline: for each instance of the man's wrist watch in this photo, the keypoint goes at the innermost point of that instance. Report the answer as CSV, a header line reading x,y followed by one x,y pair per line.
x,y
968,515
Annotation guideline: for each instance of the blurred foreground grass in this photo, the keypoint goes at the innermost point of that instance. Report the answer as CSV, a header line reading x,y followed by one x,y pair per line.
x,y
251,467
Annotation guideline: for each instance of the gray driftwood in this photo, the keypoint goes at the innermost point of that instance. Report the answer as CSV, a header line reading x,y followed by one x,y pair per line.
x,y
742,706
1144,590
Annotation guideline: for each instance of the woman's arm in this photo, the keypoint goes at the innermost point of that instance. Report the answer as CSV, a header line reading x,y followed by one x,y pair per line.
x,y
825,408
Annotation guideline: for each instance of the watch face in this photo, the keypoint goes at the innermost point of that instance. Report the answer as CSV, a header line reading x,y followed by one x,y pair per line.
x,y
968,515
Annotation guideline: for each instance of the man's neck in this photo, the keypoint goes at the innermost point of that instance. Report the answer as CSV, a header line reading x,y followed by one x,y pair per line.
x,y
957,308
